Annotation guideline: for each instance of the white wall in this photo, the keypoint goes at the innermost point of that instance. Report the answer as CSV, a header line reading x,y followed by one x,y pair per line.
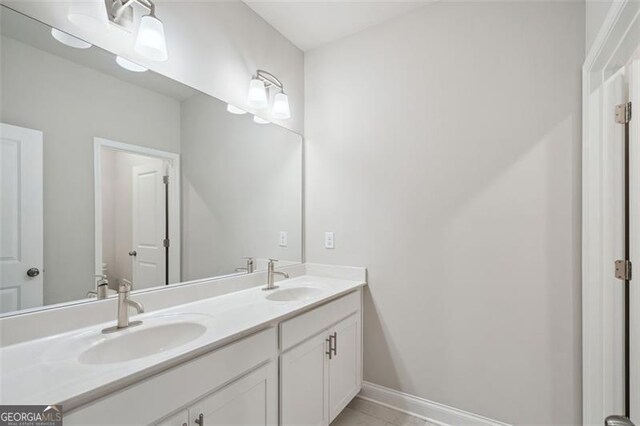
x,y
443,148
241,186
214,46
45,92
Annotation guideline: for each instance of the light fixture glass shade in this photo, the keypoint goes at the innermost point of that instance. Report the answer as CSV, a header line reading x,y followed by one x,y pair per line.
x,y
257,96
90,15
260,120
128,65
150,41
69,40
235,110
281,107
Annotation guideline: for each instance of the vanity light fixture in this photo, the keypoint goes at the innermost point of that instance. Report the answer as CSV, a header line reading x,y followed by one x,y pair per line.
x,y
260,120
130,66
69,40
150,40
235,110
89,15
257,97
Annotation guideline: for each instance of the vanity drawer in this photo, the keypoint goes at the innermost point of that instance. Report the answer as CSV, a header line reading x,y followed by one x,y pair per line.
x,y
162,394
302,327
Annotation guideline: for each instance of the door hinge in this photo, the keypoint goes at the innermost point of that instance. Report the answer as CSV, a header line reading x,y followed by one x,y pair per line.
x,y
165,180
165,242
623,113
623,270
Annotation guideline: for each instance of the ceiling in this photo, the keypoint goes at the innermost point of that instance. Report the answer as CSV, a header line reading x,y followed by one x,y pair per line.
x,y
310,24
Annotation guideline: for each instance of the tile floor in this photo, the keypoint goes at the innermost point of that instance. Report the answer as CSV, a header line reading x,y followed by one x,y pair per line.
x,y
365,413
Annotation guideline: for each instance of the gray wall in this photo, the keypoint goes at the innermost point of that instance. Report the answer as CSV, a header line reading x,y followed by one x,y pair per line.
x,y
241,186
47,93
444,151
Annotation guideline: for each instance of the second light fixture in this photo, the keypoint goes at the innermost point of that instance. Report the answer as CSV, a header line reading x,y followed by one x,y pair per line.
x,y
258,95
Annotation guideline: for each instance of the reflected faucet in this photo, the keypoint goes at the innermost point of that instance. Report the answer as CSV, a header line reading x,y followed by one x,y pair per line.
x,y
123,309
271,273
102,288
250,265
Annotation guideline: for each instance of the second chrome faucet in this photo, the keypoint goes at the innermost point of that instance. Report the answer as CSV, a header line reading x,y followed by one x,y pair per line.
x,y
270,275
123,309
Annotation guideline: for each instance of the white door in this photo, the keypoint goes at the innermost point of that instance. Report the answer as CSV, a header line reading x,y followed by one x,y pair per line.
x,y
303,379
149,226
634,288
21,226
250,400
344,365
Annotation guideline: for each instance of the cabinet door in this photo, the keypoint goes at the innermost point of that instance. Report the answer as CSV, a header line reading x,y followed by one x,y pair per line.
x,y
250,400
303,378
179,419
345,374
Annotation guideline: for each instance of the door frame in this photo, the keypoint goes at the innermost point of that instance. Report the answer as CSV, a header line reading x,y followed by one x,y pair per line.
x,y
173,161
614,44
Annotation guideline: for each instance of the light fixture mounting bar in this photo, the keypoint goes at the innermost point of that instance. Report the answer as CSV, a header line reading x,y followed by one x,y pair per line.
x,y
269,79
121,13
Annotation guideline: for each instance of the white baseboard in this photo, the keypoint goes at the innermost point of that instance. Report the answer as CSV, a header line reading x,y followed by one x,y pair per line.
x,y
431,411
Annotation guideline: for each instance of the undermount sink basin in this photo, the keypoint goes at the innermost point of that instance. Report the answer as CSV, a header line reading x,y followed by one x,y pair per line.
x,y
295,293
141,342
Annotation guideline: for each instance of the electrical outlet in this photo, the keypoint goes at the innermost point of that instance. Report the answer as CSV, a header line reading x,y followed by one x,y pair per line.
x,y
329,240
283,238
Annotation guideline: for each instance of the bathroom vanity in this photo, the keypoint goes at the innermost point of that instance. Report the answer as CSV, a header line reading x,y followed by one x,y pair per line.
x,y
292,355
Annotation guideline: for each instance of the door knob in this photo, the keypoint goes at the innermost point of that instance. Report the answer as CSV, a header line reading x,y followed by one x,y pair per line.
x,y
133,253
33,272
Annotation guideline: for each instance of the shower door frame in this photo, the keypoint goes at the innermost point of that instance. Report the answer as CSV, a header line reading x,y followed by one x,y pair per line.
x,y
614,44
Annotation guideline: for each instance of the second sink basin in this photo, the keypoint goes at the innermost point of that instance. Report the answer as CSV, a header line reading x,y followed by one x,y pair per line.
x,y
294,294
140,342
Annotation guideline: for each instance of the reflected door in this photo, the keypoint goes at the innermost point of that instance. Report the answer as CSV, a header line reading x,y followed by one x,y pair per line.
x,y
21,223
149,226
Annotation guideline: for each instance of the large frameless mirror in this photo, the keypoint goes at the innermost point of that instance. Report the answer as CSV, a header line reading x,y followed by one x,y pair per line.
x,y
112,174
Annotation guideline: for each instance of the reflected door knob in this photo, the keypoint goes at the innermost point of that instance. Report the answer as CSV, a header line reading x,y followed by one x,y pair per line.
x,y
33,272
133,253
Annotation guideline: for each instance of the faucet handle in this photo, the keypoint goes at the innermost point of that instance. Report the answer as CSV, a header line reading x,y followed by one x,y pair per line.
x,y
247,258
273,260
125,287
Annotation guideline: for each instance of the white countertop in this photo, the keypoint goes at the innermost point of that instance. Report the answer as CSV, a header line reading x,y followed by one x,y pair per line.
x,y
48,370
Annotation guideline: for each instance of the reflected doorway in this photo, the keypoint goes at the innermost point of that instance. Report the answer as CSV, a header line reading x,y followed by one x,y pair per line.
x,y
137,208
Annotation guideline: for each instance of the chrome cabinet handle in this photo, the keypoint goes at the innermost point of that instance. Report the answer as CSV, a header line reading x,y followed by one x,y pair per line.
x,y
133,253
200,420
33,272
335,343
332,339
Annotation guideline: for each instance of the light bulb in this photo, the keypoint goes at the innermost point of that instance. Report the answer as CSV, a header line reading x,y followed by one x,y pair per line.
x,y
150,41
69,40
259,120
128,65
257,96
235,110
90,15
281,107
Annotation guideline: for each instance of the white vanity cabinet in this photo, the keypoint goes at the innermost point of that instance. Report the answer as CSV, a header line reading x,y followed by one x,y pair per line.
x,y
227,386
321,363
249,400
303,371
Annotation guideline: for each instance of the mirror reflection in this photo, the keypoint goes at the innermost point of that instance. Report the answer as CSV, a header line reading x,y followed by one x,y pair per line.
x,y
113,174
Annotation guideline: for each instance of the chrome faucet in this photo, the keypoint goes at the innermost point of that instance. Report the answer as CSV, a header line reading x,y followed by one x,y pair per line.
x,y
102,287
123,309
271,273
250,265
